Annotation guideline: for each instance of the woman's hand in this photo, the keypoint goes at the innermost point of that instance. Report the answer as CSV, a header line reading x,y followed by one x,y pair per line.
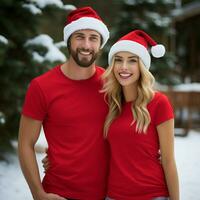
x,y
46,163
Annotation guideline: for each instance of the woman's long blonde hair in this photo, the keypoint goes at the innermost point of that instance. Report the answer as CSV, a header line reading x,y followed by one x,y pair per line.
x,y
114,97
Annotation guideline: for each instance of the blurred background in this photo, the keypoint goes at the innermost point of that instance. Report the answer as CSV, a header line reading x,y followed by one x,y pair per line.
x,y
31,42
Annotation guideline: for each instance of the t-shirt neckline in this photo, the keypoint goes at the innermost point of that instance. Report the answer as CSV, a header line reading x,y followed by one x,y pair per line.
x,y
58,68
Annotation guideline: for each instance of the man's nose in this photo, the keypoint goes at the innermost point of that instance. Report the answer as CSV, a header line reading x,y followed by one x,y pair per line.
x,y
86,43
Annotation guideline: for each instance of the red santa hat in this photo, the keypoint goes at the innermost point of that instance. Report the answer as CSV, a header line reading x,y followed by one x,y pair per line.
x,y
137,42
85,18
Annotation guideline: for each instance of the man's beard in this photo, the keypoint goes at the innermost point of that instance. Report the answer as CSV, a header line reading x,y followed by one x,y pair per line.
x,y
83,62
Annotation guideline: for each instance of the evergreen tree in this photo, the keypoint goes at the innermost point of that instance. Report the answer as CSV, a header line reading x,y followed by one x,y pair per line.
x,y
154,17
16,24
19,22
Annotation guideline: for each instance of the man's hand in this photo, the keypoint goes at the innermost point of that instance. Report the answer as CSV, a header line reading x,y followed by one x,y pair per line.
x,y
49,196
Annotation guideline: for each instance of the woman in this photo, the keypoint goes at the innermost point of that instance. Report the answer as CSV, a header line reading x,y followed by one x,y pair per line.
x,y
139,124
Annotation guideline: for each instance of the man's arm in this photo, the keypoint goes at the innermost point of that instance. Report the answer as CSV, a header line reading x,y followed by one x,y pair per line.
x,y
29,131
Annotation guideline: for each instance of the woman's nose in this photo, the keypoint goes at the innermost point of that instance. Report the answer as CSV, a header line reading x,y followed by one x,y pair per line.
x,y
123,65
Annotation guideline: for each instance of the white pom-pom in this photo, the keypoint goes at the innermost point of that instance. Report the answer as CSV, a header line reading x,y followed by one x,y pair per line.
x,y
158,50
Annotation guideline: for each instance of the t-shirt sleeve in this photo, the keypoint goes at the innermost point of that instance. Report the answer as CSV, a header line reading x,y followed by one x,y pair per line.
x,y
164,110
35,103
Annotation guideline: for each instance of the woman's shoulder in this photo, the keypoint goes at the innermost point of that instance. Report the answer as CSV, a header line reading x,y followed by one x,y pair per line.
x,y
159,98
159,95
160,108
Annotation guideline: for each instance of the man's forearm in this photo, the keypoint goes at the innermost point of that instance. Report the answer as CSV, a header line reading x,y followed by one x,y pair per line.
x,y
30,169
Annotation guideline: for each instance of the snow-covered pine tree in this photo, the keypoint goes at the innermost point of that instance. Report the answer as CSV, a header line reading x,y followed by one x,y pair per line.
x,y
19,24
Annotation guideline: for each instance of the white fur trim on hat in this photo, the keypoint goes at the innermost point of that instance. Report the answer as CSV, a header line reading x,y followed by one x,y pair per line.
x,y
158,50
87,23
132,47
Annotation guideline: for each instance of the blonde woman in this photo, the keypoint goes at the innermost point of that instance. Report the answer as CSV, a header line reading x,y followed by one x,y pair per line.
x,y
139,124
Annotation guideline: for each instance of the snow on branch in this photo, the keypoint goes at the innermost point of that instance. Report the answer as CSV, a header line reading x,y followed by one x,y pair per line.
x,y
53,53
32,8
58,3
3,40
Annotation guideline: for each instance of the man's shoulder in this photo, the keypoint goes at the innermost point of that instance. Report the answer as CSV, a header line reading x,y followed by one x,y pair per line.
x,y
47,79
47,76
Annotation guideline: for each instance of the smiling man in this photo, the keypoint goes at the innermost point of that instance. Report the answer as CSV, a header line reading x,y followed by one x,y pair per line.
x,y
83,48
64,101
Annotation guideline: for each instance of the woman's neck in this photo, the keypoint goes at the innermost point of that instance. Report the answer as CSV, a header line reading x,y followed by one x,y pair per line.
x,y
130,92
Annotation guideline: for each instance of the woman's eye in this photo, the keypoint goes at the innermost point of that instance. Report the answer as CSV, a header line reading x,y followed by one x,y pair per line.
x,y
117,60
133,60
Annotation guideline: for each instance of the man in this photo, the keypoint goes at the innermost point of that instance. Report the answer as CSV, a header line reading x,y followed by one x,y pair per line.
x,y
67,103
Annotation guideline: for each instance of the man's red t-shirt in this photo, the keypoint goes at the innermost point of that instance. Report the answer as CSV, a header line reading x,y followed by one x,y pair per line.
x,y
135,169
73,114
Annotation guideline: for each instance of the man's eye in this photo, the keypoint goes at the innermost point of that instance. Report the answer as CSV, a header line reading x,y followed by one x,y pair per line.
x,y
79,37
94,39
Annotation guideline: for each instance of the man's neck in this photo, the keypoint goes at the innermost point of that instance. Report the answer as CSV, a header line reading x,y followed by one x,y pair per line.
x,y
75,72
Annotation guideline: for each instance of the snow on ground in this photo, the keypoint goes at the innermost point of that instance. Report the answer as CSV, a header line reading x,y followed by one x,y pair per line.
x,y
12,182
13,185
188,163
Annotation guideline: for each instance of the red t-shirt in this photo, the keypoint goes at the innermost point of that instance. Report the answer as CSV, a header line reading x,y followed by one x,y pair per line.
x,y
73,114
135,169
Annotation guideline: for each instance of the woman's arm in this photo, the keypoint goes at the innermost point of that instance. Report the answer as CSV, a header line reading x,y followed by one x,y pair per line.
x,y
166,139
